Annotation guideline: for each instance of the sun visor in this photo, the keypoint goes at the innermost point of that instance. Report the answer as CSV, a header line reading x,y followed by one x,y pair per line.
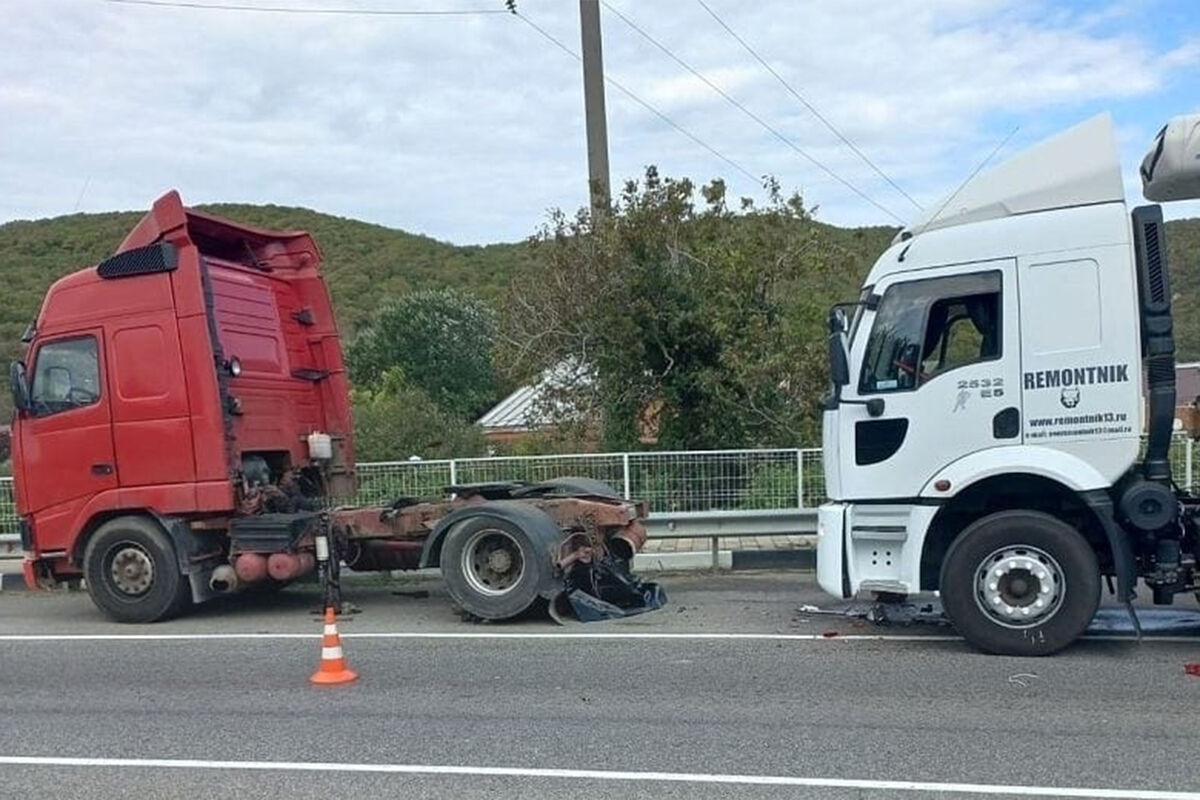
x,y
1171,170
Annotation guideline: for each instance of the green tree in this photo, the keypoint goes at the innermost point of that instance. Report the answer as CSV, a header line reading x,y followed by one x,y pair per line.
x,y
706,319
441,340
395,420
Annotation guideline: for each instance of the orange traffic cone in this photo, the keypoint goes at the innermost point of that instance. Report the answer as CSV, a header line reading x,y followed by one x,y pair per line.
x,y
333,669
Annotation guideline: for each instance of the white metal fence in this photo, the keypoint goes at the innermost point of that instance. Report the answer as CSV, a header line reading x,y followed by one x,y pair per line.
x,y
670,482
714,480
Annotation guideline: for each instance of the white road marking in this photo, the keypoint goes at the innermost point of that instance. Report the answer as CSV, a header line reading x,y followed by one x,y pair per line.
x,y
764,637
167,637
1008,790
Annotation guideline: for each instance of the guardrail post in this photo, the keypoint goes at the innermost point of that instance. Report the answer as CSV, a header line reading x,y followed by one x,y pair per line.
x,y
454,472
799,478
625,471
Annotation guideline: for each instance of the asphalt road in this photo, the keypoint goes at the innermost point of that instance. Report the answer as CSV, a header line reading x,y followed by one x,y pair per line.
x,y
449,709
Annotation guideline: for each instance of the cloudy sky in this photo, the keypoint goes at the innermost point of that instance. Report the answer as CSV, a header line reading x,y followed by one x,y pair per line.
x,y
468,128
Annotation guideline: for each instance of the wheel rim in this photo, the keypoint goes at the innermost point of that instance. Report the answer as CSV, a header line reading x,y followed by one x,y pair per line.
x,y
131,569
1019,586
492,562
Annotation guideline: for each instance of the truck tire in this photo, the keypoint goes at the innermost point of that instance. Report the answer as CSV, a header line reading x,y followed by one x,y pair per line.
x,y
133,573
1020,583
492,568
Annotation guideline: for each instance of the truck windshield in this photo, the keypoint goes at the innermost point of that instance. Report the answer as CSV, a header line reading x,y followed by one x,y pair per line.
x,y
926,327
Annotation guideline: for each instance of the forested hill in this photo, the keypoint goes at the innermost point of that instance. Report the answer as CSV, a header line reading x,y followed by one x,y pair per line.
x,y
363,262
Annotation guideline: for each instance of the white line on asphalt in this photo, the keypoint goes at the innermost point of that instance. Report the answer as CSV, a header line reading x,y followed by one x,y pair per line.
x,y
151,637
605,775
765,637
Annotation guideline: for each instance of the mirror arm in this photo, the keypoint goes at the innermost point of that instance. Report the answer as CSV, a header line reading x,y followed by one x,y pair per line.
x,y
875,406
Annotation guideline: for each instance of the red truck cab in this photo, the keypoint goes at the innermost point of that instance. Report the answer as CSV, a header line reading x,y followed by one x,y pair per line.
x,y
201,355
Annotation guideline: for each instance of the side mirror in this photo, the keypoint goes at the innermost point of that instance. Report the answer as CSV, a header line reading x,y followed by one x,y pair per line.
x,y
19,383
839,360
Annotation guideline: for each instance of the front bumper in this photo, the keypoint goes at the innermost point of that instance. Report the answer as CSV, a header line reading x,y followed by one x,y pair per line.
x,y
871,547
831,550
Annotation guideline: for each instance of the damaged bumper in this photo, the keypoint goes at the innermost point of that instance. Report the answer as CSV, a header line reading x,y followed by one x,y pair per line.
x,y
605,589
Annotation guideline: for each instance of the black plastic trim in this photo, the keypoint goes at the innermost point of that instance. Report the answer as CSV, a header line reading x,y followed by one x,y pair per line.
x,y
153,258
877,440
1101,504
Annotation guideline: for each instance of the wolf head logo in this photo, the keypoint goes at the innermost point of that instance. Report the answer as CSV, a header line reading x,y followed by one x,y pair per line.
x,y
1069,397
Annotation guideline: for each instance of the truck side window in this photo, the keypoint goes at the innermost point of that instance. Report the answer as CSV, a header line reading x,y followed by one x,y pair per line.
x,y
926,327
66,376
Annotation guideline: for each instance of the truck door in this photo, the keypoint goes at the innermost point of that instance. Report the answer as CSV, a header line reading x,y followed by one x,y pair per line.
x,y
66,438
151,424
942,350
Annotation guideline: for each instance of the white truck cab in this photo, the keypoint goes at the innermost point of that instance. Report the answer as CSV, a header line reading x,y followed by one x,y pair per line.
x,y
983,427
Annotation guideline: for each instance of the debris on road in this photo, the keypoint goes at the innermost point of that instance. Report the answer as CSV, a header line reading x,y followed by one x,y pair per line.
x,y
1177,621
902,613
1109,620
605,589
1022,679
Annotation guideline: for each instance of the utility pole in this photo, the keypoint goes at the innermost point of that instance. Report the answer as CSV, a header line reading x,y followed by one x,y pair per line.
x,y
593,103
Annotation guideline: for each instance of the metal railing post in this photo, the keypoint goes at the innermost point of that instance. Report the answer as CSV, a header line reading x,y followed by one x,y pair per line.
x,y
799,478
625,470
454,472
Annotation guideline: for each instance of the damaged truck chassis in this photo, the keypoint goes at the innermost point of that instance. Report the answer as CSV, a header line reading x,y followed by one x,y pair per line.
x,y
184,431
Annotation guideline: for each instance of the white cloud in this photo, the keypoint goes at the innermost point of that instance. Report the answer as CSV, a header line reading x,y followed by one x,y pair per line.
x,y
469,128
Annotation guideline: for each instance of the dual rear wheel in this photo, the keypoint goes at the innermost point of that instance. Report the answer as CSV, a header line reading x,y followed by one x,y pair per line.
x,y
493,569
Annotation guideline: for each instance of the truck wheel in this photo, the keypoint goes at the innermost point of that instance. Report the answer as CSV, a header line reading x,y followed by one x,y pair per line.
x,y
492,567
1020,583
133,573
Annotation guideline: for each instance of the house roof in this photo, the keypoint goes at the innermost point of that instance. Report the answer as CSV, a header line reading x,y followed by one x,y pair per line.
x,y
518,411
527,408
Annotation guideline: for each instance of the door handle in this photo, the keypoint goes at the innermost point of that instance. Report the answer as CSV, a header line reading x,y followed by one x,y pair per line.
x,y
102,469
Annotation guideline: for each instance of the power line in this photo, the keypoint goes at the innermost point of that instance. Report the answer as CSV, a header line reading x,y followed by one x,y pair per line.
x,y
971,177
628,93
825,121
741,107
380,12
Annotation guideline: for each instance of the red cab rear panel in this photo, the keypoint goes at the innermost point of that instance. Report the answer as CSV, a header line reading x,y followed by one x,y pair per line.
x,y
156,419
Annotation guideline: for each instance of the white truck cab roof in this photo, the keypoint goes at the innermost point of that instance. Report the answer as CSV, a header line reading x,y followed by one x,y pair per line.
x,y
1078,167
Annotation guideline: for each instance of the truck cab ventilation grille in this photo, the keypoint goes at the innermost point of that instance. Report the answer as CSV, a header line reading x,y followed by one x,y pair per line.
x,y
1154,271
158,257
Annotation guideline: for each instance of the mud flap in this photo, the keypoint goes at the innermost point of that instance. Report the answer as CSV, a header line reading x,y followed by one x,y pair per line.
x,y
606,590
